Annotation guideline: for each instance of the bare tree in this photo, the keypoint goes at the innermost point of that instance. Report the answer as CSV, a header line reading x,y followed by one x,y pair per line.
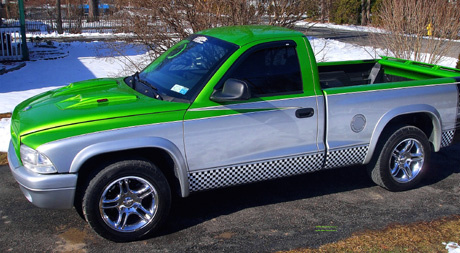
x,y
59,17
11,9
365,11
368,11
325,8
7,9
93,12
458,62
406,24
74,15
158,24
323,11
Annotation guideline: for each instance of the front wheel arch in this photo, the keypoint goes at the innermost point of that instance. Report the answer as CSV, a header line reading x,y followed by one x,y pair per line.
x,y
95,164
150,148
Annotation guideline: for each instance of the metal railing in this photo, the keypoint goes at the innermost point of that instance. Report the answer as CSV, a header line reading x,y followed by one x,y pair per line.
x,y
10,44
39,26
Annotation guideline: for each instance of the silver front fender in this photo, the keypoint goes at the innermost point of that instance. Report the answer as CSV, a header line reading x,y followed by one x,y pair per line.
x,y
68,155
180,166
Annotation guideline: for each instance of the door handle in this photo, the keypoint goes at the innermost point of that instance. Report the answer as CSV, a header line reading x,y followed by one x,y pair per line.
x,y
304,113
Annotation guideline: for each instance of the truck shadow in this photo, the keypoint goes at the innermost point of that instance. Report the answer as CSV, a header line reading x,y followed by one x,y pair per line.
x,y
205,206
443,164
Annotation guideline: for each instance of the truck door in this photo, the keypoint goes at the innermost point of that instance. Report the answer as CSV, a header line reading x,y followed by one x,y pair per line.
x,y
272,134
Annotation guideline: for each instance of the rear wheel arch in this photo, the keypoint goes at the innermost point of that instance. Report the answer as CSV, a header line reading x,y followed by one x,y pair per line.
x,y
427,121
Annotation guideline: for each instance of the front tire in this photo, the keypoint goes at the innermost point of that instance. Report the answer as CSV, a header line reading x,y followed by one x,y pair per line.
x,y
127,200
402,161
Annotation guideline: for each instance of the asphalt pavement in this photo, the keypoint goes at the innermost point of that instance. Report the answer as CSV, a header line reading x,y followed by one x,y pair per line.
x,y
270,216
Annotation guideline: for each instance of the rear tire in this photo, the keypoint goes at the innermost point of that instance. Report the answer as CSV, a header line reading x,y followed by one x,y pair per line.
x,y
127,200
402,159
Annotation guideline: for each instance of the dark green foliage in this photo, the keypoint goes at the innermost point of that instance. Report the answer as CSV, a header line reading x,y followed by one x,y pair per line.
x,y
377,4
312,9
346,11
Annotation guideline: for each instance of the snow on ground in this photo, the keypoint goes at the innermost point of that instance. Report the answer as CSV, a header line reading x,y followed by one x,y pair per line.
x,y
4,134
452,247
90,60
76,36
334,50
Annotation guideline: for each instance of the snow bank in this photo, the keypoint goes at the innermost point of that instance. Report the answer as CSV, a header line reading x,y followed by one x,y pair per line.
x,y
452,247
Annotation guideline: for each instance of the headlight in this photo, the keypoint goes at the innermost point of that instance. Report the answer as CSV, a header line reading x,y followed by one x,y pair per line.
x,y
35,161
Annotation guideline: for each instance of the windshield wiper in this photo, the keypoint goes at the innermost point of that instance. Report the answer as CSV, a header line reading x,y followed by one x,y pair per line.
x,y
154,89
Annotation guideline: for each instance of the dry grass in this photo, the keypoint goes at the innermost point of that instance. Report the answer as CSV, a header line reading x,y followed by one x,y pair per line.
x,y
5,115
3,159
417,237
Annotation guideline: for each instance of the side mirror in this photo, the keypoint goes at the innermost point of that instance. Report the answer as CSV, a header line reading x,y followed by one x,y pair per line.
x,y
233,90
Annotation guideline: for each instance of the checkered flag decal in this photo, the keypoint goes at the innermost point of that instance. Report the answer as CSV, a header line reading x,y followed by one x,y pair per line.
x,y
241,174
446,138
345,157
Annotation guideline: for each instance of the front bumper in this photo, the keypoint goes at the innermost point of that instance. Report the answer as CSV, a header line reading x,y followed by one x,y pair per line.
x,y
47,191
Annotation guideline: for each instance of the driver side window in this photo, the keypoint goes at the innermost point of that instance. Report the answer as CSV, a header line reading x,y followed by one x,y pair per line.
x,y
270,71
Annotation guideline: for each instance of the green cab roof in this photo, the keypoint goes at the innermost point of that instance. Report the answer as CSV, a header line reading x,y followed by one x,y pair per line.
x,y
242,35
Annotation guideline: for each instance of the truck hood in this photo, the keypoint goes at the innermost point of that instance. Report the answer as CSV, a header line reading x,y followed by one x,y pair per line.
x,y
86,101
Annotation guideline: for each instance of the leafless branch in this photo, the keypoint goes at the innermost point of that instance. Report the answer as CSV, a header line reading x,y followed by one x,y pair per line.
x,y
419,30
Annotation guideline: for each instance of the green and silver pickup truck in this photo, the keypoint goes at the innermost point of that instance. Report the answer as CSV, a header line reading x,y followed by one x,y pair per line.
x,y
226,106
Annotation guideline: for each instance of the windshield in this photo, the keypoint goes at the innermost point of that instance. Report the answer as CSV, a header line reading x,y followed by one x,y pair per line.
x,y
182,71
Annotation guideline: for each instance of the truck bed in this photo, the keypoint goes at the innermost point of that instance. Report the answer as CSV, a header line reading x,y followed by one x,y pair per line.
x,y
385,70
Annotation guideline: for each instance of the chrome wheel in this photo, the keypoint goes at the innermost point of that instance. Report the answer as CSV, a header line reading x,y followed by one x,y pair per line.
x,y
403,154
128,204
406,160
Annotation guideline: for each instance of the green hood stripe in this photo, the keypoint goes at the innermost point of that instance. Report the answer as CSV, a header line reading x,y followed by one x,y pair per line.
x,y
34,140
